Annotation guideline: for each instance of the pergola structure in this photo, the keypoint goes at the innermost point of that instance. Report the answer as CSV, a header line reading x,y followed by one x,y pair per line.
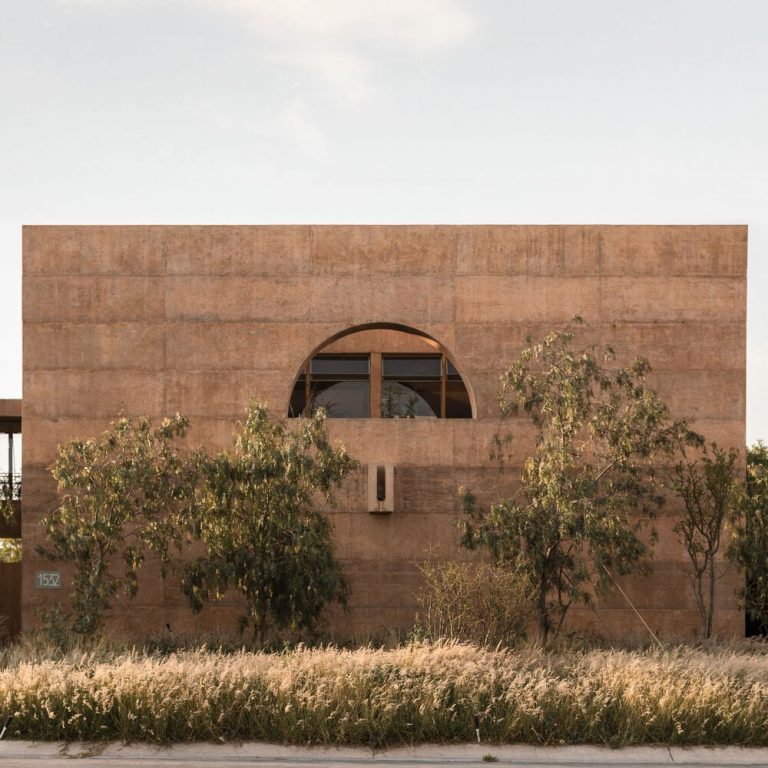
x,y
10,490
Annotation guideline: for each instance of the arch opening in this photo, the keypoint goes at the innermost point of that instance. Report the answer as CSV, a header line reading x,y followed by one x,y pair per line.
x,y
382,370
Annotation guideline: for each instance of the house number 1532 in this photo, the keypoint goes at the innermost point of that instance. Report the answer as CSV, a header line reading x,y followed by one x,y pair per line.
x,y
48,579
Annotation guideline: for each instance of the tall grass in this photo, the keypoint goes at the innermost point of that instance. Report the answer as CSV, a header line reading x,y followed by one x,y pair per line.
x,y
416,693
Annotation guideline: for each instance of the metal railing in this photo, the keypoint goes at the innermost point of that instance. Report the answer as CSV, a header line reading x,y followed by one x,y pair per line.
x,y
10,486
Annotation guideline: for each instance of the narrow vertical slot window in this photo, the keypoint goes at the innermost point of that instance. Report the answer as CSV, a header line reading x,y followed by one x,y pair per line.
x,y
381,483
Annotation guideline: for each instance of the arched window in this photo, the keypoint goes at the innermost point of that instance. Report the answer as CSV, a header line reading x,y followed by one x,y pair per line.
x,y
381,372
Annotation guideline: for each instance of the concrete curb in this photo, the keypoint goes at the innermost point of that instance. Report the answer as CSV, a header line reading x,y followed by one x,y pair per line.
x,y
25,753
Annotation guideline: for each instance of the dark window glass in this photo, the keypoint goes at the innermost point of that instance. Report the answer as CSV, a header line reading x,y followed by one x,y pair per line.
x,y
409,368
328,366
411,386
338,383
457,405
409,399
341,385
342,399
381,483
298,397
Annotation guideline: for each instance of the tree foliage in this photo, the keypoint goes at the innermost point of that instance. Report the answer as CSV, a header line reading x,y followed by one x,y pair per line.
x,y
119,496
711,492
10,493
591,479
749,547
258,515
10,550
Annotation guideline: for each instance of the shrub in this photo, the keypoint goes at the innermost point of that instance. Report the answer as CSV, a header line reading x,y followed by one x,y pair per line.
x,y
749,547
474,602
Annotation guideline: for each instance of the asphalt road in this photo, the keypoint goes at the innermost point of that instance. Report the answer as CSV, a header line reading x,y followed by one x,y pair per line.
x,y
19,754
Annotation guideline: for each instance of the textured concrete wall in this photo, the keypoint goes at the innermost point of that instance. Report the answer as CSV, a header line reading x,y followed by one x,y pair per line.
x,y
155,320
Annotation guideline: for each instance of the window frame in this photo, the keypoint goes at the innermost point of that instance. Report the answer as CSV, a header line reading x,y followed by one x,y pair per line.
x,y
376,380
307,374
433,356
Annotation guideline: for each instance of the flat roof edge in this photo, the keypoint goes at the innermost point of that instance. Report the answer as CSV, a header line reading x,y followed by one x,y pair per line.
x,y
10,408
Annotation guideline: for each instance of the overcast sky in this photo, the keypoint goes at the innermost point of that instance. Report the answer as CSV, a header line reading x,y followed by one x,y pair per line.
x,y
396,111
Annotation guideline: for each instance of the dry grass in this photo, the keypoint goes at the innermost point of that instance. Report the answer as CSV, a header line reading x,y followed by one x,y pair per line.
x,y
416,693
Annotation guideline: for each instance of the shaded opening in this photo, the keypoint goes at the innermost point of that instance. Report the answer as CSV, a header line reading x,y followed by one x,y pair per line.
x,y
411,386
340,384
381,483
457,403
381,372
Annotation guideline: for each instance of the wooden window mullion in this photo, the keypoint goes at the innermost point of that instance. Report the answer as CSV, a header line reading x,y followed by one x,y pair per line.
x,y
376,372
443,385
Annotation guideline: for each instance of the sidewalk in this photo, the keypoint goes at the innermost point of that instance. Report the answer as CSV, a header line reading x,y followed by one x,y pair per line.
x,y
15,754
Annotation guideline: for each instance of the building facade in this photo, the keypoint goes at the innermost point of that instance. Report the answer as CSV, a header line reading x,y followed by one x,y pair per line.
x,y
372,321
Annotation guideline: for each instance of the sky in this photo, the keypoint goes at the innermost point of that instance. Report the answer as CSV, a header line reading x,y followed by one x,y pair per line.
x,y
385,111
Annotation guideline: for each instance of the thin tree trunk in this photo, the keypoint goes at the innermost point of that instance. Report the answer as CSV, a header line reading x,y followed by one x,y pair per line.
x,y
541,607
701,603
711,607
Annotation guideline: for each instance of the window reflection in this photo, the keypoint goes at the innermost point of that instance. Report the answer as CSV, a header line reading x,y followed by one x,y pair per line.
x,y
411,387
338,384
408,385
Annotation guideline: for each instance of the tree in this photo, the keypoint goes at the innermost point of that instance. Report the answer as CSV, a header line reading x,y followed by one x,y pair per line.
x,y
10,550
121,495
392,405
10,493
600,433
749,547
711,494
258,515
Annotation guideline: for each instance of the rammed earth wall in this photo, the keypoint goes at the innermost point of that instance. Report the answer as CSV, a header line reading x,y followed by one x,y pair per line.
x,y
154,320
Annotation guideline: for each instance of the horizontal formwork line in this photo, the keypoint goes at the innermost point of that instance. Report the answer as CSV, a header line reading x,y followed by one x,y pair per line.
x,y
369,275
513,322
288,371
539,324
299,277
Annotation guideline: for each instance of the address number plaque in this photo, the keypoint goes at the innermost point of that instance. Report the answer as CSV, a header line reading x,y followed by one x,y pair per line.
x,y
48,579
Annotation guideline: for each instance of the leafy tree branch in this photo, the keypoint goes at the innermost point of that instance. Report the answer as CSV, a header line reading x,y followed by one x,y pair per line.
x,y
592,479
119,496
